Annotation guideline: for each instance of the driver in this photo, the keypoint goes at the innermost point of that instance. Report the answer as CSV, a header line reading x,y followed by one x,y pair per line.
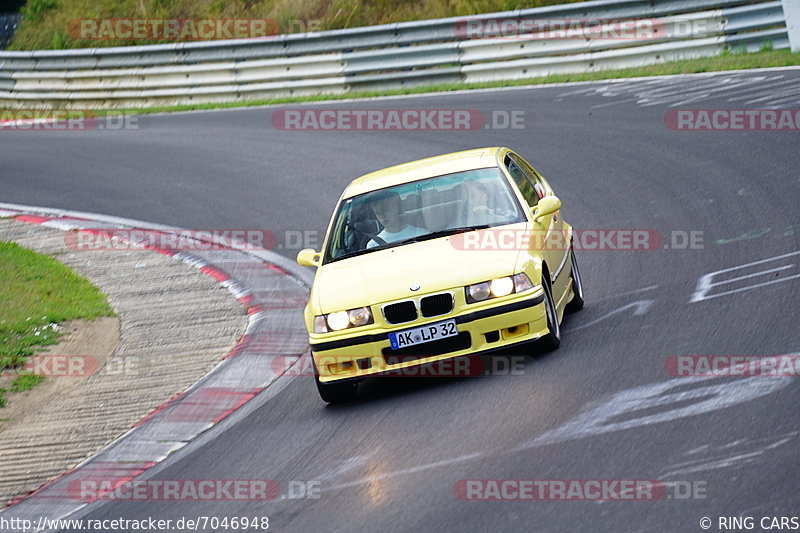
x,y
388,209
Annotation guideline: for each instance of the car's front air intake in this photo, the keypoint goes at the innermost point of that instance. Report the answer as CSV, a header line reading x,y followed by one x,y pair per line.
x,y
400,312
437,304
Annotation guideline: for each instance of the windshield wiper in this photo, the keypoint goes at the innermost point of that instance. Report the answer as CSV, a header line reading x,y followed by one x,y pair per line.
x,y
442,233
350,254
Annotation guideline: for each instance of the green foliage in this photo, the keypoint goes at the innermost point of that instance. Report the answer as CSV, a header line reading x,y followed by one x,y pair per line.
x,y
35,9
25,382
49,24
59,41
36,293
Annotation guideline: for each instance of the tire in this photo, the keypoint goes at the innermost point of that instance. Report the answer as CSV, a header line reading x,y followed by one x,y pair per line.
x,y
576,304
336,392
552,340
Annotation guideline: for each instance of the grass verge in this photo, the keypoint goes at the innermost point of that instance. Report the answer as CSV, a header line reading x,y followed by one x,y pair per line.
x,y
55,24
726,61
36,293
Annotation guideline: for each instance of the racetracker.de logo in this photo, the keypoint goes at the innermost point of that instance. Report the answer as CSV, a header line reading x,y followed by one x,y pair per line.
x,y
174,489
122,29
733,365
559,28
733,119
492,239
56,366
396,119
179,240
64,120
456,367
559,490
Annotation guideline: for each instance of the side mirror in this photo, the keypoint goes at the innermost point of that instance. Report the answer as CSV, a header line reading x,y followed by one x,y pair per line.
x,y
308,257
547,206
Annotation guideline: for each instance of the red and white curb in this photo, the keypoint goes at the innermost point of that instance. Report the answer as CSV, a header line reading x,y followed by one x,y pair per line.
x,y
269,286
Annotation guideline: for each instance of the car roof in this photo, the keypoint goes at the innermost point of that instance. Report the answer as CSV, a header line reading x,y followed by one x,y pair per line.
x,y
423,168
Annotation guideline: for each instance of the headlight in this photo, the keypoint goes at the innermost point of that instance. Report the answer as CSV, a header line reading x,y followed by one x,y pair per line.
x,y
340,320
478,292
361,316
498,287
502,286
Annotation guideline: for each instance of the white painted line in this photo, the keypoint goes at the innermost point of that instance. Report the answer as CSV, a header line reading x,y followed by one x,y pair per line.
x,y
620,411
640,307
743,95
745,288
710,92
626,293
704,284
773,97
446,94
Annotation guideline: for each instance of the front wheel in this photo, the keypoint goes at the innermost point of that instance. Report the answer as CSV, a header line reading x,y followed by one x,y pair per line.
x,y
552,340
576,304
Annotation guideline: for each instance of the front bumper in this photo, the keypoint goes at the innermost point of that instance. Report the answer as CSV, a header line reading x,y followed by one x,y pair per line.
x,y
513,320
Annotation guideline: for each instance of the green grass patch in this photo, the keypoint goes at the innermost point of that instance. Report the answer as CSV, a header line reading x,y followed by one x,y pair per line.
x,y
730,60
25,382
36,293
51,24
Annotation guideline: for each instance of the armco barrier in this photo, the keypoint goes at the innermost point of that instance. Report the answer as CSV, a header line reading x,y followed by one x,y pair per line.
x,y
385,57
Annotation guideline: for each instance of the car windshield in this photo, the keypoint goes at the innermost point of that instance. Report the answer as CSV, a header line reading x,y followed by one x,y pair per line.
x,y
420,210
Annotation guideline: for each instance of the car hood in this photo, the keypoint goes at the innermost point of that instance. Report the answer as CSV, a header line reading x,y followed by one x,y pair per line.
x,y
386,275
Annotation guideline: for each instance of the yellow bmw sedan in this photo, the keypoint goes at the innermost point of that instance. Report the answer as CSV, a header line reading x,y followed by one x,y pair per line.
x,y
460,254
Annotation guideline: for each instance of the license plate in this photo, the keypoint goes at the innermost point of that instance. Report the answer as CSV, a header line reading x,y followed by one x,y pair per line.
x,y
423,334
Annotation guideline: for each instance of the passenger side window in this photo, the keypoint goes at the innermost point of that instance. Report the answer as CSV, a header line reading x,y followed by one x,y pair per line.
x,y
533,176
523,183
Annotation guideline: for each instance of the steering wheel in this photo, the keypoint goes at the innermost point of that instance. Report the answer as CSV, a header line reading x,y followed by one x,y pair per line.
x,y
375,238
368,228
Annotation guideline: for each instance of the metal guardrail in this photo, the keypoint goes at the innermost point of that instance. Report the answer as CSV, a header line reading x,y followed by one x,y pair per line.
x,y
384,57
